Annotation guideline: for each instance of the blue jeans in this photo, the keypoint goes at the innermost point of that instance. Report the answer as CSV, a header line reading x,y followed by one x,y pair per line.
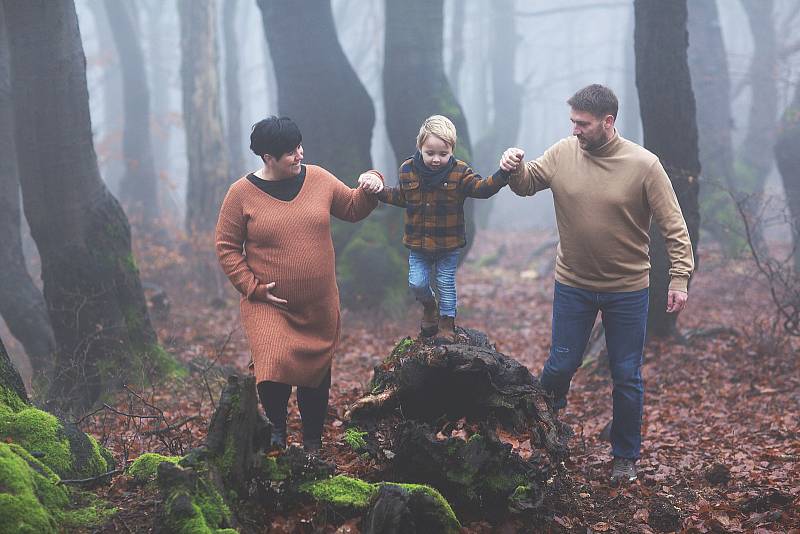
x,y
624,317
420,265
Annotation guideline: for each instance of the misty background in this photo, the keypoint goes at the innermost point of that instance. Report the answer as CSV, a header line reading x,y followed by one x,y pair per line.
x,y
562,45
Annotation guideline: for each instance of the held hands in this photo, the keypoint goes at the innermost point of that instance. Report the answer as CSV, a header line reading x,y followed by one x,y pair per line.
x,y
511,159
370,183
676,300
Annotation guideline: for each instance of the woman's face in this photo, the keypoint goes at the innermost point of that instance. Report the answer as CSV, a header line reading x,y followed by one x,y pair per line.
x,y
435,152
288,165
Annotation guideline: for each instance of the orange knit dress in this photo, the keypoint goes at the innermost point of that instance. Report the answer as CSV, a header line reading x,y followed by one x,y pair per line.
x,y
261,239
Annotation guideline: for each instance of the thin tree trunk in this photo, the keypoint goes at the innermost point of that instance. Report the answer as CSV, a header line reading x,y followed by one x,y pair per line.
x,y
457,44
787,156
708,63
415,85
159,74
21,303
138,191
91,283
670,131
109,129
233,93
506,93
757,154
208,163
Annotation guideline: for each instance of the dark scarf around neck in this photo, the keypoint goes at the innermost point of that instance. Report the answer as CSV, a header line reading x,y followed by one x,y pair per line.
x,y
430,179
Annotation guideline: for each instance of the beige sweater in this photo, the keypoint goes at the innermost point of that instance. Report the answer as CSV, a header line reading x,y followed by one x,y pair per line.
x,y
605,200
261,239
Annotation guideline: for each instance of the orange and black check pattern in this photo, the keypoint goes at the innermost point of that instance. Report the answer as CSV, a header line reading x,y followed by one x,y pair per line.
x,y
434,219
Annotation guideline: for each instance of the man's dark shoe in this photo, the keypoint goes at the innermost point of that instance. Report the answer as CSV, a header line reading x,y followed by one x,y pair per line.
x,y
623,471
312,446
430,319
447,330
277,440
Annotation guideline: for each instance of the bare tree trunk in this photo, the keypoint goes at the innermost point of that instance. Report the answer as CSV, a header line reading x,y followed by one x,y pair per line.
x,y
21,303
233,94
787,156
91,283
323,95
708,63
208,163
670,131
457,44
415,85
110,128
507,94
159,73
757,154
138,191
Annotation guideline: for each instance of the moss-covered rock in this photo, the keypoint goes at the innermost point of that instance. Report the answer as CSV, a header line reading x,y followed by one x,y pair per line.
x,y
60,446
425,508
145,468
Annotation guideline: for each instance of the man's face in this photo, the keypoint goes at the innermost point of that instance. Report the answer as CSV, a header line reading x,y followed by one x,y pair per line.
x,y
435,152
288,165
592,132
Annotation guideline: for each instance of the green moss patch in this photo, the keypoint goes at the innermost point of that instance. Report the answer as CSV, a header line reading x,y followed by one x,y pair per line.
x,y
145,467
355,438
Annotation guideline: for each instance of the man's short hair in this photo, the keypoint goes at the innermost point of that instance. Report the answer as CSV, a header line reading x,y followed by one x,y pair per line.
x,y
441,127
275,136
596,99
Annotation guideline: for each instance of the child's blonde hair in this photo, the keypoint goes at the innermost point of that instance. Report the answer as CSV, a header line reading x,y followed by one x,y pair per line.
x,y
441,127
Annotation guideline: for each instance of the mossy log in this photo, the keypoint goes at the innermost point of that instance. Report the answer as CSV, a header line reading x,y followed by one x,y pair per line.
x,y
423,392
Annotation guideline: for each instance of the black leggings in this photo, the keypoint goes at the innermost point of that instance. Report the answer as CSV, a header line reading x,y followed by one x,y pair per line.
x,y
313,403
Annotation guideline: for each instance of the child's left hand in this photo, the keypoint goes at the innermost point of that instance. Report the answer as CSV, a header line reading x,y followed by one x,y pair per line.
x,y
370,183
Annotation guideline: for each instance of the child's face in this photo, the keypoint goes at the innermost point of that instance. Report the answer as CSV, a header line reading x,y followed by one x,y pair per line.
x,y
435,152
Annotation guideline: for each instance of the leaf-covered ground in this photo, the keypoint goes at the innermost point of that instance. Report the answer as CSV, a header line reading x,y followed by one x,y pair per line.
x,y
721,450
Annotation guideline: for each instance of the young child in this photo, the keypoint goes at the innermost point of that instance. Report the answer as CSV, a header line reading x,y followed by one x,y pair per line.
x,y
432,188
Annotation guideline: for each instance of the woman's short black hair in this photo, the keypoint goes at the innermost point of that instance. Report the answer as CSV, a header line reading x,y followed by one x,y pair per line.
x,y
275,136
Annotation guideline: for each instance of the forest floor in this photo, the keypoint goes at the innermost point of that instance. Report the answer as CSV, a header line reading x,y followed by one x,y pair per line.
x,y
720,452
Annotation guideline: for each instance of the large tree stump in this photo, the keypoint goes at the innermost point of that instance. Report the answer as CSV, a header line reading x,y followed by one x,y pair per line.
x,y
433,416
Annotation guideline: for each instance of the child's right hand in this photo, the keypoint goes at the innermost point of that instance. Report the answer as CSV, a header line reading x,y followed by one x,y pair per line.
x,y
511,159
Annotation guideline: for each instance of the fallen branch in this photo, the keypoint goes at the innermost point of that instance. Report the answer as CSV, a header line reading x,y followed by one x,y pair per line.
x,y
169,428
79,481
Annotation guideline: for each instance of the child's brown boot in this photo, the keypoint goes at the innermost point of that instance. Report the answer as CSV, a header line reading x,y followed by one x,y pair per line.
x,y
430,315
447,330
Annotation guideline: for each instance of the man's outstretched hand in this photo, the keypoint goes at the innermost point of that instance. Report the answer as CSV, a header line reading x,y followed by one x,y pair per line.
x,y
676,300
511,159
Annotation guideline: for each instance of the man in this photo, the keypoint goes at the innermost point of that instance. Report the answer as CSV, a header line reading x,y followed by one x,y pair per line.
x,y
606,191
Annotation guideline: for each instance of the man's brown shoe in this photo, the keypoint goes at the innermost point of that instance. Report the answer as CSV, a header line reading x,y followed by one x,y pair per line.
x,y
430,319
447,330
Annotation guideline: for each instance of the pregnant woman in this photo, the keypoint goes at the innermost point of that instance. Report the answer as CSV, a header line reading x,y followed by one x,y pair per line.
x,y
273,240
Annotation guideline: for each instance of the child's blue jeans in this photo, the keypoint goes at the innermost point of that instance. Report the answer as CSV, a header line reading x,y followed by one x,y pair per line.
x,y
443,264
625,320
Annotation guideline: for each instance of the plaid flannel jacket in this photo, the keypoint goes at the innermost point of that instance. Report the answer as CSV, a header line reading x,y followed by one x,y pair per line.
x,y
434,220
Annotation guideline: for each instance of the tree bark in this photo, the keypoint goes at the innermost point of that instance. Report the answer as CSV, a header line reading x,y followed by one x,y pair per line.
x,y
787,156
506,97
670,131
209,175
708,64
91,283
139,190
415,85
757,154
233,93
21,303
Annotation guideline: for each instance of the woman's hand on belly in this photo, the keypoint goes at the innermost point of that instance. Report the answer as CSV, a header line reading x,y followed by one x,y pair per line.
x,y
264,294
